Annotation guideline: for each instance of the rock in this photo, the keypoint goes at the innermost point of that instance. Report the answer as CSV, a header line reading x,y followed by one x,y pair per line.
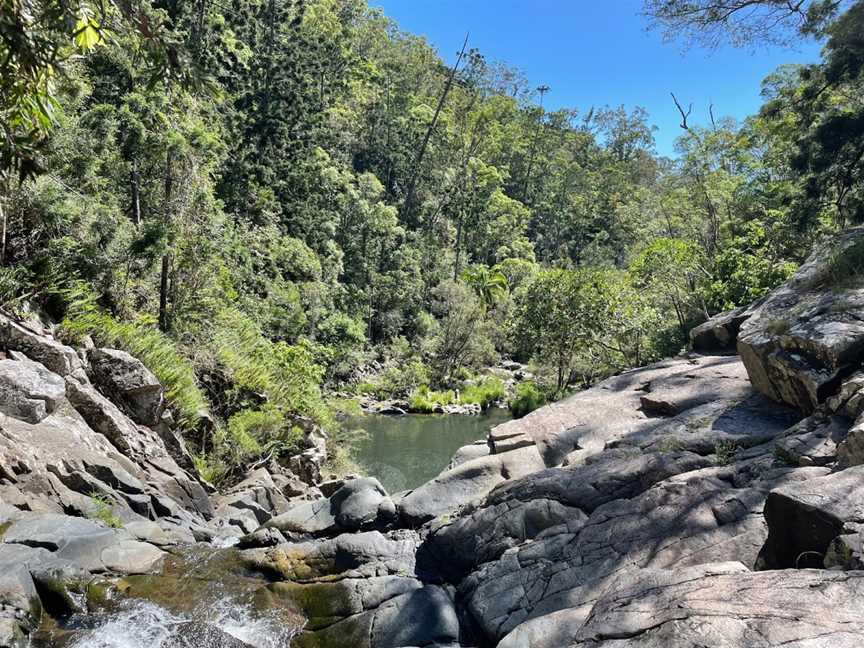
x,y
307,464
468,482
359,503
20,607
611,412
57,358
127,382
28,391
257,493
846,552
813,441
74,539
724,605
525,508
351,555
850,451
849,399
381,612
131,557
691,521
809,333
805,517
720,332
468,452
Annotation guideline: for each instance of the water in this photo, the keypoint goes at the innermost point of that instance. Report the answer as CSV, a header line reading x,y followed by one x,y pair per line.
x,y
203,598
404,452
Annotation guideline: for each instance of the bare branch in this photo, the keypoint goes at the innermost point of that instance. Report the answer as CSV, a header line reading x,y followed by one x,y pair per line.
x,y
684,115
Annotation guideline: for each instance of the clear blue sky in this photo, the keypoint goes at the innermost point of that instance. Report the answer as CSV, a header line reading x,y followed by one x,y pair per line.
x,y
599,52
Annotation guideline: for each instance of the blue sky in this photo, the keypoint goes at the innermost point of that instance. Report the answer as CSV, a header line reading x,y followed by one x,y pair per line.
x,y
596,53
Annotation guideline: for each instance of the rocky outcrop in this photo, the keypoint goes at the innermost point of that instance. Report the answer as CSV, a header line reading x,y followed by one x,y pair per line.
x,y
129,383
719,333
358,504
28,391
808,335
725,605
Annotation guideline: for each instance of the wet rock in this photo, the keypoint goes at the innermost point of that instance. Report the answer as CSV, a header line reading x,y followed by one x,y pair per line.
x,y
805,517
808,334
20,607
194,634
29,391
724,605
383,612
357,555
127,382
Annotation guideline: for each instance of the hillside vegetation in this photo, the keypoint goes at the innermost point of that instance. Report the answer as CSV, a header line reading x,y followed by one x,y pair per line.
x,y
272,200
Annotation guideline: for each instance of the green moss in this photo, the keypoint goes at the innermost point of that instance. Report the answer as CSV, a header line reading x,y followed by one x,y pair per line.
x,y
724,452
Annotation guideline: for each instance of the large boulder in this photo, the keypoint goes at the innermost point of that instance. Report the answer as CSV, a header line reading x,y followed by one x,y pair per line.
x,y
719,333
808,334
805,517
634,403
690,521
29,391
127,382
38,346
350,555
555,499
467,483
358,504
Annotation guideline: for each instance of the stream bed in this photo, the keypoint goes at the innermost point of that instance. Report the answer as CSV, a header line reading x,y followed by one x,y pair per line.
x,y
404,452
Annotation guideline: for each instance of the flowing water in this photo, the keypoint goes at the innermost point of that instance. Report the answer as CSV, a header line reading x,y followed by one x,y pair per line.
x,y
404,452
202,598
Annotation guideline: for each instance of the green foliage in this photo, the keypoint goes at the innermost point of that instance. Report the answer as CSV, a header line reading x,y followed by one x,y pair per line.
x,y
724,452
488,391
527,397
102,510
425,401
158,352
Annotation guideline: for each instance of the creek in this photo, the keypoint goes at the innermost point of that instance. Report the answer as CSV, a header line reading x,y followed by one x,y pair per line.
x,y
404,452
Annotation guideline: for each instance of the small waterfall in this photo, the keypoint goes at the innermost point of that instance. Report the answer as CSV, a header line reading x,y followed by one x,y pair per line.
x,y
143,624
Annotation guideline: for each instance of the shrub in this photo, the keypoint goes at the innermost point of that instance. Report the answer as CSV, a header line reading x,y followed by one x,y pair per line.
x,y
102,510
488,391
526,399
145,342
424,401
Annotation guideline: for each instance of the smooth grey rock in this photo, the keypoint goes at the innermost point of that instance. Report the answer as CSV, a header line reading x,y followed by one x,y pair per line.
x,y
611,412
850,451
29,391
804,518
359,501
674,524
521,509
127,382
351,555
466,483
131,557
74,539
726,606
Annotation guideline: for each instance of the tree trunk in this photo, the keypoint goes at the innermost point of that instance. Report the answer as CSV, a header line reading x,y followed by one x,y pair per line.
x,y
412,185
135,183
164,283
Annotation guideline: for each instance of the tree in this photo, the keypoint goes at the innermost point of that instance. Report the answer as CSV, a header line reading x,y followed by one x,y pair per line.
x,y
741,22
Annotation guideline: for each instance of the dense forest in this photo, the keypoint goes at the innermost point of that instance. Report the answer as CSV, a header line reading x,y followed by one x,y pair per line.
x,y
274,201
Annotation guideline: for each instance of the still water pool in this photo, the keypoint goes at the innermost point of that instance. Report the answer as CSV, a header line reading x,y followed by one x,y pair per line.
x,y
404,452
